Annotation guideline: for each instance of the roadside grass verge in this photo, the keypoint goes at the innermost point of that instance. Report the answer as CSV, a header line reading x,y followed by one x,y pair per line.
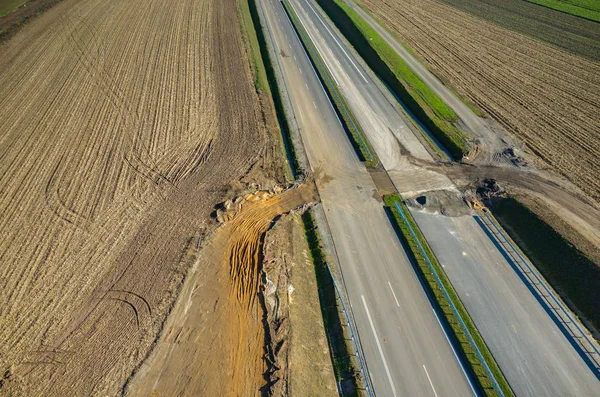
x,y
262,60
588,9
352,127
412,52
256,63
467,350
343,367
431,111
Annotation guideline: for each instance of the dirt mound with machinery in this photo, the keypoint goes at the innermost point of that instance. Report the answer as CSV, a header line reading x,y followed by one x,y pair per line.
x,y
444,202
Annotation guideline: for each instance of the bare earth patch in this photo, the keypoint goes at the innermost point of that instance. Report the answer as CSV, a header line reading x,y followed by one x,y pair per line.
x,y
547,97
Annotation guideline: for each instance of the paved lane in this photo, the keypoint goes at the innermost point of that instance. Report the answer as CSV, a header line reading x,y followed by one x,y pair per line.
x,y
405,348
534,355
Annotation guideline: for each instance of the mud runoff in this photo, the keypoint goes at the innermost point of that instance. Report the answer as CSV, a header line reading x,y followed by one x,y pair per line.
x,y
214,342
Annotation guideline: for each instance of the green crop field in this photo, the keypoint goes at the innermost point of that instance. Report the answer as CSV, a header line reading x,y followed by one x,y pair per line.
x,y
7,6
589,9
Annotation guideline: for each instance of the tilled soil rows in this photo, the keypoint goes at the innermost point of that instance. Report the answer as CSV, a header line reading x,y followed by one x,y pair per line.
x,y
568,32
121,125
547,97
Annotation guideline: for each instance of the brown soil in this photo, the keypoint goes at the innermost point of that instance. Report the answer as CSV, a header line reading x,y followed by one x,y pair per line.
x,y
214,339
547,97
577,35
561,205
121,126
299,353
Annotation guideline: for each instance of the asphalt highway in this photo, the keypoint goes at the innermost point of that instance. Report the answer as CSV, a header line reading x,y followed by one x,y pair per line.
x,y
534,355
474,123
406,350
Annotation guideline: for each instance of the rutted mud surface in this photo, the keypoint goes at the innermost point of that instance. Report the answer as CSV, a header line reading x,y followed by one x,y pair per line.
x,y
213,343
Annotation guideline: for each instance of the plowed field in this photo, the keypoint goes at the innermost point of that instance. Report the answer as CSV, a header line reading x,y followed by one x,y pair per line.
x,y
121,125
547,97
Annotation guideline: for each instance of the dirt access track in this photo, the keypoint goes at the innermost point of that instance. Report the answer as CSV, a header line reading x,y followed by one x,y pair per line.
x,y
215,338
547,97
122,124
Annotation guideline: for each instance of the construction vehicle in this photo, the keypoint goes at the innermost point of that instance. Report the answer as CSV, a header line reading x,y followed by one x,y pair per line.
x,y
478,205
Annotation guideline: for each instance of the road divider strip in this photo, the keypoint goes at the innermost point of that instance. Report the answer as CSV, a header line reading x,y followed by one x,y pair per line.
x,y
428,108
476,354
357,136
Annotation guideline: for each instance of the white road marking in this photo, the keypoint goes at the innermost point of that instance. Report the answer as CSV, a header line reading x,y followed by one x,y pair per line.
x,y
315,45
396,299
454,351
295,58
320,84
306,86
315,106
301,73
430,382
387,370
338,43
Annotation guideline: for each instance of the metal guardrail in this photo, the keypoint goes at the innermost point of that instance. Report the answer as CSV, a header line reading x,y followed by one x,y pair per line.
x,y
354,340
541,282
451,304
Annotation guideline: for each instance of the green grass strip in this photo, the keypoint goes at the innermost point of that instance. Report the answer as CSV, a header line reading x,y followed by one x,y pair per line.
x,y
343,365
588,9
358,138
258,69
467,350
426,106
8,6
263,61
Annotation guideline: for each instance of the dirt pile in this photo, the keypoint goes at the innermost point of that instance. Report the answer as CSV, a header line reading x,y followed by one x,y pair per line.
x,y
444,202
216,333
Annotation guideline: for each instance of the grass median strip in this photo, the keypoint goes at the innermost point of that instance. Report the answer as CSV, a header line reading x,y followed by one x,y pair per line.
x,y
431,111
479,359
266,81
358,138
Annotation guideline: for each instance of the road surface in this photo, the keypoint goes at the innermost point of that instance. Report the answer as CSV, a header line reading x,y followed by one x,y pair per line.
x,y
406,350
534,355
475,124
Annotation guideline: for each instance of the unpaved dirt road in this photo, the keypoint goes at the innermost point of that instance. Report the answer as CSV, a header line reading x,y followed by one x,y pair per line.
x,y
547,97
121,125
213,341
